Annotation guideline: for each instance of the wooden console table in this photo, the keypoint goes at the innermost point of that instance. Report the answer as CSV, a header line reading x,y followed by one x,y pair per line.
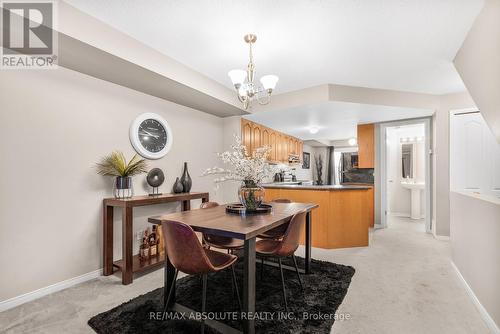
x,y
129,263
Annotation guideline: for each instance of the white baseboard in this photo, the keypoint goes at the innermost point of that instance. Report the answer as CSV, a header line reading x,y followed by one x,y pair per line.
x,y
440,237
403,214
482,311
30,296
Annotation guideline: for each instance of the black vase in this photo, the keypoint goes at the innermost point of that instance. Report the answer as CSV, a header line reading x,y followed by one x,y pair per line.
x,y
186,181
178,187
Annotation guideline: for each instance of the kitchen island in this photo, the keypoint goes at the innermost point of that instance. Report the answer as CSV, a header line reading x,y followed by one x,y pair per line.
x,y
343,217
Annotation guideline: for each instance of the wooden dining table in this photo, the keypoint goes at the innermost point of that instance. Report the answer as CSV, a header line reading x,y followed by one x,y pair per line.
x,y
216,221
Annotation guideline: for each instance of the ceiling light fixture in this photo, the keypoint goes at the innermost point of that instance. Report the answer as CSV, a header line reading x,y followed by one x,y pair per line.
x,y
352,141
243,81
314,130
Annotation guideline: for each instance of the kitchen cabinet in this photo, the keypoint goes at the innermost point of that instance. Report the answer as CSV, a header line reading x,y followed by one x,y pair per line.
x,y
246,134
254,135
371,206
366,146
272,143
265,138
342,219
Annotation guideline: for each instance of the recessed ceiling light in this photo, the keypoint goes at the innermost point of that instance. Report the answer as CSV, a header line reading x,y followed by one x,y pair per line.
x,y
352,141
314,130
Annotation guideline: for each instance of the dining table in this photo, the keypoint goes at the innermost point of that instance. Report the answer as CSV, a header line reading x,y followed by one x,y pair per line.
x,y
247,227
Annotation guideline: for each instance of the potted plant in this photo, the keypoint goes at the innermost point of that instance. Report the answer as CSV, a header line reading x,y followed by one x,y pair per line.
x,y
116,165
250,170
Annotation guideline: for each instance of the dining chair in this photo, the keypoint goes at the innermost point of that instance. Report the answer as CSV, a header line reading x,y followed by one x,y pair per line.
x,y
227,243
186,254
284,248
279,231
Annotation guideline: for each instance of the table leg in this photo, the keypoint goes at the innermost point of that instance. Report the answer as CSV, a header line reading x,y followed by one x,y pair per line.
x,y
127,274
186,205
168,281
308,243
107,240
249,287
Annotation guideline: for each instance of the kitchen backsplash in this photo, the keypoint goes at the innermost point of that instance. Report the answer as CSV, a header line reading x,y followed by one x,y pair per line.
x,y
359,175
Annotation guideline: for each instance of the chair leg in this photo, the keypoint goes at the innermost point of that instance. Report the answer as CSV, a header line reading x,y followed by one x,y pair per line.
x,y
283,284
167,300
203,302
235,282
262,268
297,271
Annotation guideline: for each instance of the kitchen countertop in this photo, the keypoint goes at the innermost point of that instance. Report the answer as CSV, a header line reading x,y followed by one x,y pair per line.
x,y
316,187
358,184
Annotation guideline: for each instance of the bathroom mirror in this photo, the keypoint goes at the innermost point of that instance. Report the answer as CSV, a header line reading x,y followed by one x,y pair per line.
x,y
407,160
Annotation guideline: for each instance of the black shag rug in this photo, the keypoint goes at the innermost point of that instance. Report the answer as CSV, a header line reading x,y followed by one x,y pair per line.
x,y
313,310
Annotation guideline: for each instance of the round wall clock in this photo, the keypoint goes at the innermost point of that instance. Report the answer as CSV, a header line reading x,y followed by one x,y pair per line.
x,y
151,136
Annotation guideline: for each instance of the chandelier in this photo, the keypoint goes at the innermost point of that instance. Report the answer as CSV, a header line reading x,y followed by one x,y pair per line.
x,y
243,81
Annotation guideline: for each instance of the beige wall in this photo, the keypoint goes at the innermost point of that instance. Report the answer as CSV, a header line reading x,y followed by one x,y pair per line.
x,y
441,158
304,174
478,63
475,242
229,189
55,125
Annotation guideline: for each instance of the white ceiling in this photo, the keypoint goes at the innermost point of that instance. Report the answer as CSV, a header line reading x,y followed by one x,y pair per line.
x,y
335,120
392,44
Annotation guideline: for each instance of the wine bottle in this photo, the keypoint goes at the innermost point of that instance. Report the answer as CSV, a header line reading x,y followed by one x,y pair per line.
x,y
153,250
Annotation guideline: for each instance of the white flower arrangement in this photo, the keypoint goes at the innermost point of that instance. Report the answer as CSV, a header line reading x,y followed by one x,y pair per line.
x,y
251,169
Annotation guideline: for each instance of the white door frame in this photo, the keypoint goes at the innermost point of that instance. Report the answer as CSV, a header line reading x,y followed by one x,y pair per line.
x,y
428,168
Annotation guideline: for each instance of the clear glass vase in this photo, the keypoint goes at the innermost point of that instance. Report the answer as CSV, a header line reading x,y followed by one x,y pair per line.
x,y
251,195
122,187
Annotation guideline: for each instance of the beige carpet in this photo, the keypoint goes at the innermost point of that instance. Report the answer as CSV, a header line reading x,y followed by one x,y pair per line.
x,y
404,283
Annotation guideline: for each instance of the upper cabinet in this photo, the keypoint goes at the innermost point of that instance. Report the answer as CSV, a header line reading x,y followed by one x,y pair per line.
x,y
256,136
283,147
246,134
366,146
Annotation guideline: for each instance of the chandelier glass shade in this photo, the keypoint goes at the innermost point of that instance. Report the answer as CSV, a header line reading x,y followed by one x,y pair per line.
x,y
243,81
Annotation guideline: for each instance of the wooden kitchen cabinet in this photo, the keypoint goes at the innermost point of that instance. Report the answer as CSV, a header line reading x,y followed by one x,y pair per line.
x,y
371,206
254,135
366,146
272,143
265,137
246,135
340,221
301,149
281,147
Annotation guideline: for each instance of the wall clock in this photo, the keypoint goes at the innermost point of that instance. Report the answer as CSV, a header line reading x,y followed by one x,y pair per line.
x,y
151,136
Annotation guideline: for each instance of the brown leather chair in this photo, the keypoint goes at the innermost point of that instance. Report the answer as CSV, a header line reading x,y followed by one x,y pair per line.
x,y
283,248
228,243
279,231
186,254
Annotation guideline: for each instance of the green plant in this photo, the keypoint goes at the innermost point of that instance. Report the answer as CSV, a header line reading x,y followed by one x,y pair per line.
x,y
115,164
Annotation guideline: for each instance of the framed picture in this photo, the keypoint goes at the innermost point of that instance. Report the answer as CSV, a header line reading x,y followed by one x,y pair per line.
x,y
306,160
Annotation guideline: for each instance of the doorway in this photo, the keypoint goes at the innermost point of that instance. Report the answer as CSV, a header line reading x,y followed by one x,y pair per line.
x,y
405,166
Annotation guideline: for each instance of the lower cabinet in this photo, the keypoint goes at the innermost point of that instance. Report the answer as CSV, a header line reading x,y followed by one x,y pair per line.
x,y
342,219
